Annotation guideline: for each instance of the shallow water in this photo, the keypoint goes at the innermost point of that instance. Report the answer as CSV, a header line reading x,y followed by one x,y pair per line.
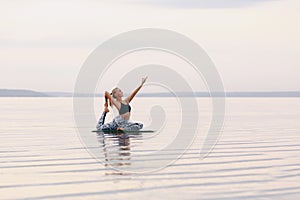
x,y
44,157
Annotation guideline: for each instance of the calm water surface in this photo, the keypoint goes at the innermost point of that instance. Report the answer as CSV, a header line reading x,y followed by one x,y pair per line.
x,y
43,157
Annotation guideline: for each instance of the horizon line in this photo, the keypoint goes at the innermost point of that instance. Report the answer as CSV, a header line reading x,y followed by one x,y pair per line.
x,y
32,93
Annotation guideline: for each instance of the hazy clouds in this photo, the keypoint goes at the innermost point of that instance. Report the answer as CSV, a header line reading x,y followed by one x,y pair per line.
x,y
200,3
254,44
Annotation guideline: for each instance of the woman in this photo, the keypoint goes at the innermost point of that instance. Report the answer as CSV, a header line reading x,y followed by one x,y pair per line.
x,y
121,122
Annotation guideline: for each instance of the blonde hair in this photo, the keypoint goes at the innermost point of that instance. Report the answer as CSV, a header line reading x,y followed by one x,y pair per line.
x,y
113,92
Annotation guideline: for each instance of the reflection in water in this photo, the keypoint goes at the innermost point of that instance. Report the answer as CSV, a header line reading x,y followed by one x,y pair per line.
x,y
116,149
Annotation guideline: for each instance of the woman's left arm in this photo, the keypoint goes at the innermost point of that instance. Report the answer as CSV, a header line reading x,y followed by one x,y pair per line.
x,y
130,97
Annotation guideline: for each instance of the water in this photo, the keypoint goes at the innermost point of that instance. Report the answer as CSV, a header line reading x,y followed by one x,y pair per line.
x,y
43,157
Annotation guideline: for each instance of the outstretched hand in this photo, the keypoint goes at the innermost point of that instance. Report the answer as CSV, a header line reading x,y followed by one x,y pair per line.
x,y
144,80
130,97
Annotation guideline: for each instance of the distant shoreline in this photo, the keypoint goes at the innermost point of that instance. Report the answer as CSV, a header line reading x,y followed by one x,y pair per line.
x,y
31,93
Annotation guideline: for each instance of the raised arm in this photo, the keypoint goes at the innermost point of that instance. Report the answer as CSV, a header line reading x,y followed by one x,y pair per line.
x,y
130,97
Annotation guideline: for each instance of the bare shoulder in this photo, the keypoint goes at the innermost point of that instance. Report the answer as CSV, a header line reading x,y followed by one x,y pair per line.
x,y
117,104
126,100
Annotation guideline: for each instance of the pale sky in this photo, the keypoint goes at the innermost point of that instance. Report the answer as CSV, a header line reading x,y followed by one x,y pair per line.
x,y
254,44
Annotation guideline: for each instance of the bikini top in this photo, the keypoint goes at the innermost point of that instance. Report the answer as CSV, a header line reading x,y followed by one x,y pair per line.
x,y
124,108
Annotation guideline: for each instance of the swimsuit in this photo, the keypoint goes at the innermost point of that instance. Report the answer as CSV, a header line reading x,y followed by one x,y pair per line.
x,y
124,108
